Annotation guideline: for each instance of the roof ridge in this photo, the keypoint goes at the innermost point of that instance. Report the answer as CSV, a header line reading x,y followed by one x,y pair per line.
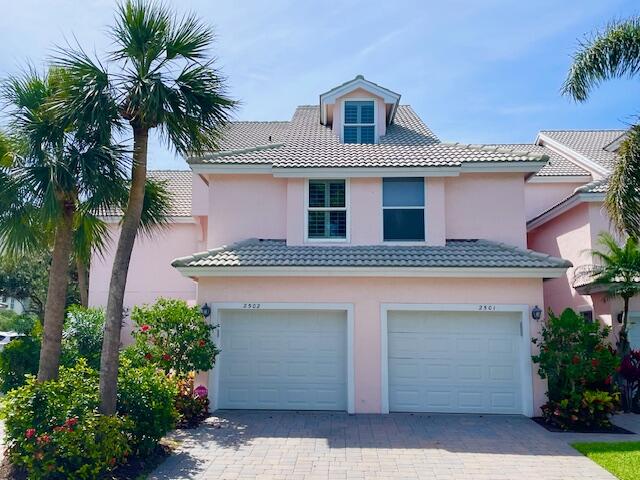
x,y
585,130
528,251
496,149
259,121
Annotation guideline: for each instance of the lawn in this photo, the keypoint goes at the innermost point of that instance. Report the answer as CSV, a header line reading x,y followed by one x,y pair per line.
x,y
620,458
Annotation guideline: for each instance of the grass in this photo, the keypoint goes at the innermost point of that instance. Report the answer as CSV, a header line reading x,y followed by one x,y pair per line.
x,y
620,458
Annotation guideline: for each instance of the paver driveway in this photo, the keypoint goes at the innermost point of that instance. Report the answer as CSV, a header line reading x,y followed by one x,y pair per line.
x,y
290,445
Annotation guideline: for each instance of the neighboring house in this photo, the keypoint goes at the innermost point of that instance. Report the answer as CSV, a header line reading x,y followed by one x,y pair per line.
x,y
569,226
10,303
355,262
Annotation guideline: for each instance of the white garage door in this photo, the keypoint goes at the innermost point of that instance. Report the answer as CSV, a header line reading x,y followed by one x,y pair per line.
x,y
290,360
458,362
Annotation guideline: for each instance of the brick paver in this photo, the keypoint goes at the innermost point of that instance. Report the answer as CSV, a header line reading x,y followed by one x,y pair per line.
x,y
305,446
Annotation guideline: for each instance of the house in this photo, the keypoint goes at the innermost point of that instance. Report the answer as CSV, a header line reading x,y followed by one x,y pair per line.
x,y
567,217
355,262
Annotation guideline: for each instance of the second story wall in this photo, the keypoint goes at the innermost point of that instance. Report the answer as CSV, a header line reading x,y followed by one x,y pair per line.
x,y
246,206
488,206
542,196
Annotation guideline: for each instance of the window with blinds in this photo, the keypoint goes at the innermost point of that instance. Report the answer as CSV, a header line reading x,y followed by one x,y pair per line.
x,y
359,122
327,210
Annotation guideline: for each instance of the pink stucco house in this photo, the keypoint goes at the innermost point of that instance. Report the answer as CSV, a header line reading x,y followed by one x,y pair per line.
x,y
355,262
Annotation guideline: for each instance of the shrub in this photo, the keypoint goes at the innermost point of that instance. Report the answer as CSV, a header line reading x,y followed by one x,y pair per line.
x,y
11,321
19,358
146,396
173,336
579,367
82,336
54,431
630,373
192,408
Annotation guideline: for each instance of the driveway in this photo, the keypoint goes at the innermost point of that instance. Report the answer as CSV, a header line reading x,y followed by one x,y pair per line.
x,y
291,445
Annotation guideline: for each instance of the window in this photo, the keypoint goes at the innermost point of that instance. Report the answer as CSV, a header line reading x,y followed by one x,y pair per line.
x,y
359,122
327,210
587,315
403,209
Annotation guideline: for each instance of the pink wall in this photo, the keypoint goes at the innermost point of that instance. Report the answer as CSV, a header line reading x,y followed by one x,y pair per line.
x,y
567,236
488,206
366,294
150,273
246,206
542,196
199,196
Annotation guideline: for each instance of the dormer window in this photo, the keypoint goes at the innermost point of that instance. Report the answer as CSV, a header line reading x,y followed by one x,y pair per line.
x,y
359,121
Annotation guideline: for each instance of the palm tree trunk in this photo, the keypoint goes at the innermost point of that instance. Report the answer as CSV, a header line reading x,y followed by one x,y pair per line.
x,y
83,282
56,297
623,341
113,322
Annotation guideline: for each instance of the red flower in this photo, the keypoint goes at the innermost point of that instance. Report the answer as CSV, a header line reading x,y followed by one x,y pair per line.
x,y
575,360
112,461
607,381
202,343
71,422
145,328
166,357
595,362
44,438
30,432
148,356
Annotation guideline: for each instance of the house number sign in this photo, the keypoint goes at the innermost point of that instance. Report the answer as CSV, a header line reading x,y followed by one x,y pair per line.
x,y
486,308
251,306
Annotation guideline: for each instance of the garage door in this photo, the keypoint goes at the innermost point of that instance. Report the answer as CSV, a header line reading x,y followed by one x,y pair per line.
x,y
458,362
290,360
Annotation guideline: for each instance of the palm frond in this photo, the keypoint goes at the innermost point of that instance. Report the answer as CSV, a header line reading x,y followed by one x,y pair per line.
x,y
91,236
622,201
611,53
156,207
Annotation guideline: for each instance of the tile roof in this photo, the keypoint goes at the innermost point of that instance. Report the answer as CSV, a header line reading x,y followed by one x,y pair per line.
x,y
455,254
590,143
304,142
179,185
557,165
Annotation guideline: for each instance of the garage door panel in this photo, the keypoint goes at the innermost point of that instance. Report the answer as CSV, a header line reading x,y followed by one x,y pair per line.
x,y
294,360
454,362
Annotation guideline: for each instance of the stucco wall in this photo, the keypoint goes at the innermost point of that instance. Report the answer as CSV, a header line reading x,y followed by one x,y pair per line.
x,y
150,273
367,294
489,206
567,236
246,206
539,197
360,93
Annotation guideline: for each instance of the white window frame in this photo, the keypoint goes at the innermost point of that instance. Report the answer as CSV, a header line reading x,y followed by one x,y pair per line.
x,y
424,207
375,118
347,208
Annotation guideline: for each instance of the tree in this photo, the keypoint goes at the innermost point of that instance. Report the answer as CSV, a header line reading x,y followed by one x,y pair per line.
x,y
613,53
161,80
618,269
51,172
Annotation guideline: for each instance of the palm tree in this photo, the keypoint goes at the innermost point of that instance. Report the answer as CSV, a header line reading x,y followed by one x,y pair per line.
x,y
50,172
618,270
161,78
613,53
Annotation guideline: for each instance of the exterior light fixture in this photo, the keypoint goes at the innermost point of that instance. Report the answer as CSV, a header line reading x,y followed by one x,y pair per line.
x,y
620,317
536,313
206,310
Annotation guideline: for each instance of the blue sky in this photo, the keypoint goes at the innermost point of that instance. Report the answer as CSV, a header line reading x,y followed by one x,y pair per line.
x,y
476,71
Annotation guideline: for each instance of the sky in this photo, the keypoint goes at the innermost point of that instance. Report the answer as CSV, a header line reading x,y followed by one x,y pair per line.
x,y
485,71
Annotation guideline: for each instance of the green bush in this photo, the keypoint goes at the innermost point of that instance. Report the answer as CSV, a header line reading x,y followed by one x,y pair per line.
x,y
173,336
579,365
11,321
18,358
54,431
146,396
82,336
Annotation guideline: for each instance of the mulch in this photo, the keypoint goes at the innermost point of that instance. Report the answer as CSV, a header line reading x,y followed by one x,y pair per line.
x,y
553,428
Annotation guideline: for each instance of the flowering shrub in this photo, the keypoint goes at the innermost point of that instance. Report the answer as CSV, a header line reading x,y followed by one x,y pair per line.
x,y
192,406
146,397
630,373
173,336
54,431
579,366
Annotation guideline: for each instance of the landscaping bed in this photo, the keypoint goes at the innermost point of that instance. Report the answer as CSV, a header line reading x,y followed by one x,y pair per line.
x,y
622,459
554,428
